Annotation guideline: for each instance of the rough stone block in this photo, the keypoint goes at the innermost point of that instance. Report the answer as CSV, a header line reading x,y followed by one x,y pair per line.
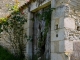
x,y
61,46
61,2
57,35
76,45
58,56
56,46
59,21
69,23
59,12
54,56
66,46
76,50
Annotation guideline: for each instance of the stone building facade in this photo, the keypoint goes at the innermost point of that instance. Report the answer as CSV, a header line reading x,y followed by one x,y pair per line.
x,y
65,29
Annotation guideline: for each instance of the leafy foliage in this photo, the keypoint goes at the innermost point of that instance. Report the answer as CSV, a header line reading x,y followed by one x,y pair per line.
x,y
6,55
46,16
14,27
43,17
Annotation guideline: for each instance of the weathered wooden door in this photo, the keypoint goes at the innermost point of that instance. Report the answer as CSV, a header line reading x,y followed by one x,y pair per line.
x,y
41,34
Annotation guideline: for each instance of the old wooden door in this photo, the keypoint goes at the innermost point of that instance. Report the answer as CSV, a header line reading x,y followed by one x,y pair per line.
x,y
41,34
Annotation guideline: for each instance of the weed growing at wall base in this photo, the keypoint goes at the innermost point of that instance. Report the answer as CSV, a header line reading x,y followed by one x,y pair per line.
x,y
6,55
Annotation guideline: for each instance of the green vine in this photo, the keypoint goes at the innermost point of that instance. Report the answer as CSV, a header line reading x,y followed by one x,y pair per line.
x,y
14,27
44,16
47,18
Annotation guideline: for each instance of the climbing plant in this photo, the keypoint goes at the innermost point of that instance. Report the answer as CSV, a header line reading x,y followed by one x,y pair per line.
x,y
42,19
46,16
13,26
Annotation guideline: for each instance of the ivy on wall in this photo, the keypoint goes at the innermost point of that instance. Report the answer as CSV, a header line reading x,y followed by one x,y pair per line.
x,y
13,26
44,15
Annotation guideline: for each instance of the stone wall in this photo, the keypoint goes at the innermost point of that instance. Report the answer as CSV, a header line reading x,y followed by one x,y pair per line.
x,y
64,29
5,6
76,51
5,37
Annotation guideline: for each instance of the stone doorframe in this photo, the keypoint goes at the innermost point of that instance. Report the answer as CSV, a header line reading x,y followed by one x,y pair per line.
x,y
33,8
61,21
64,27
